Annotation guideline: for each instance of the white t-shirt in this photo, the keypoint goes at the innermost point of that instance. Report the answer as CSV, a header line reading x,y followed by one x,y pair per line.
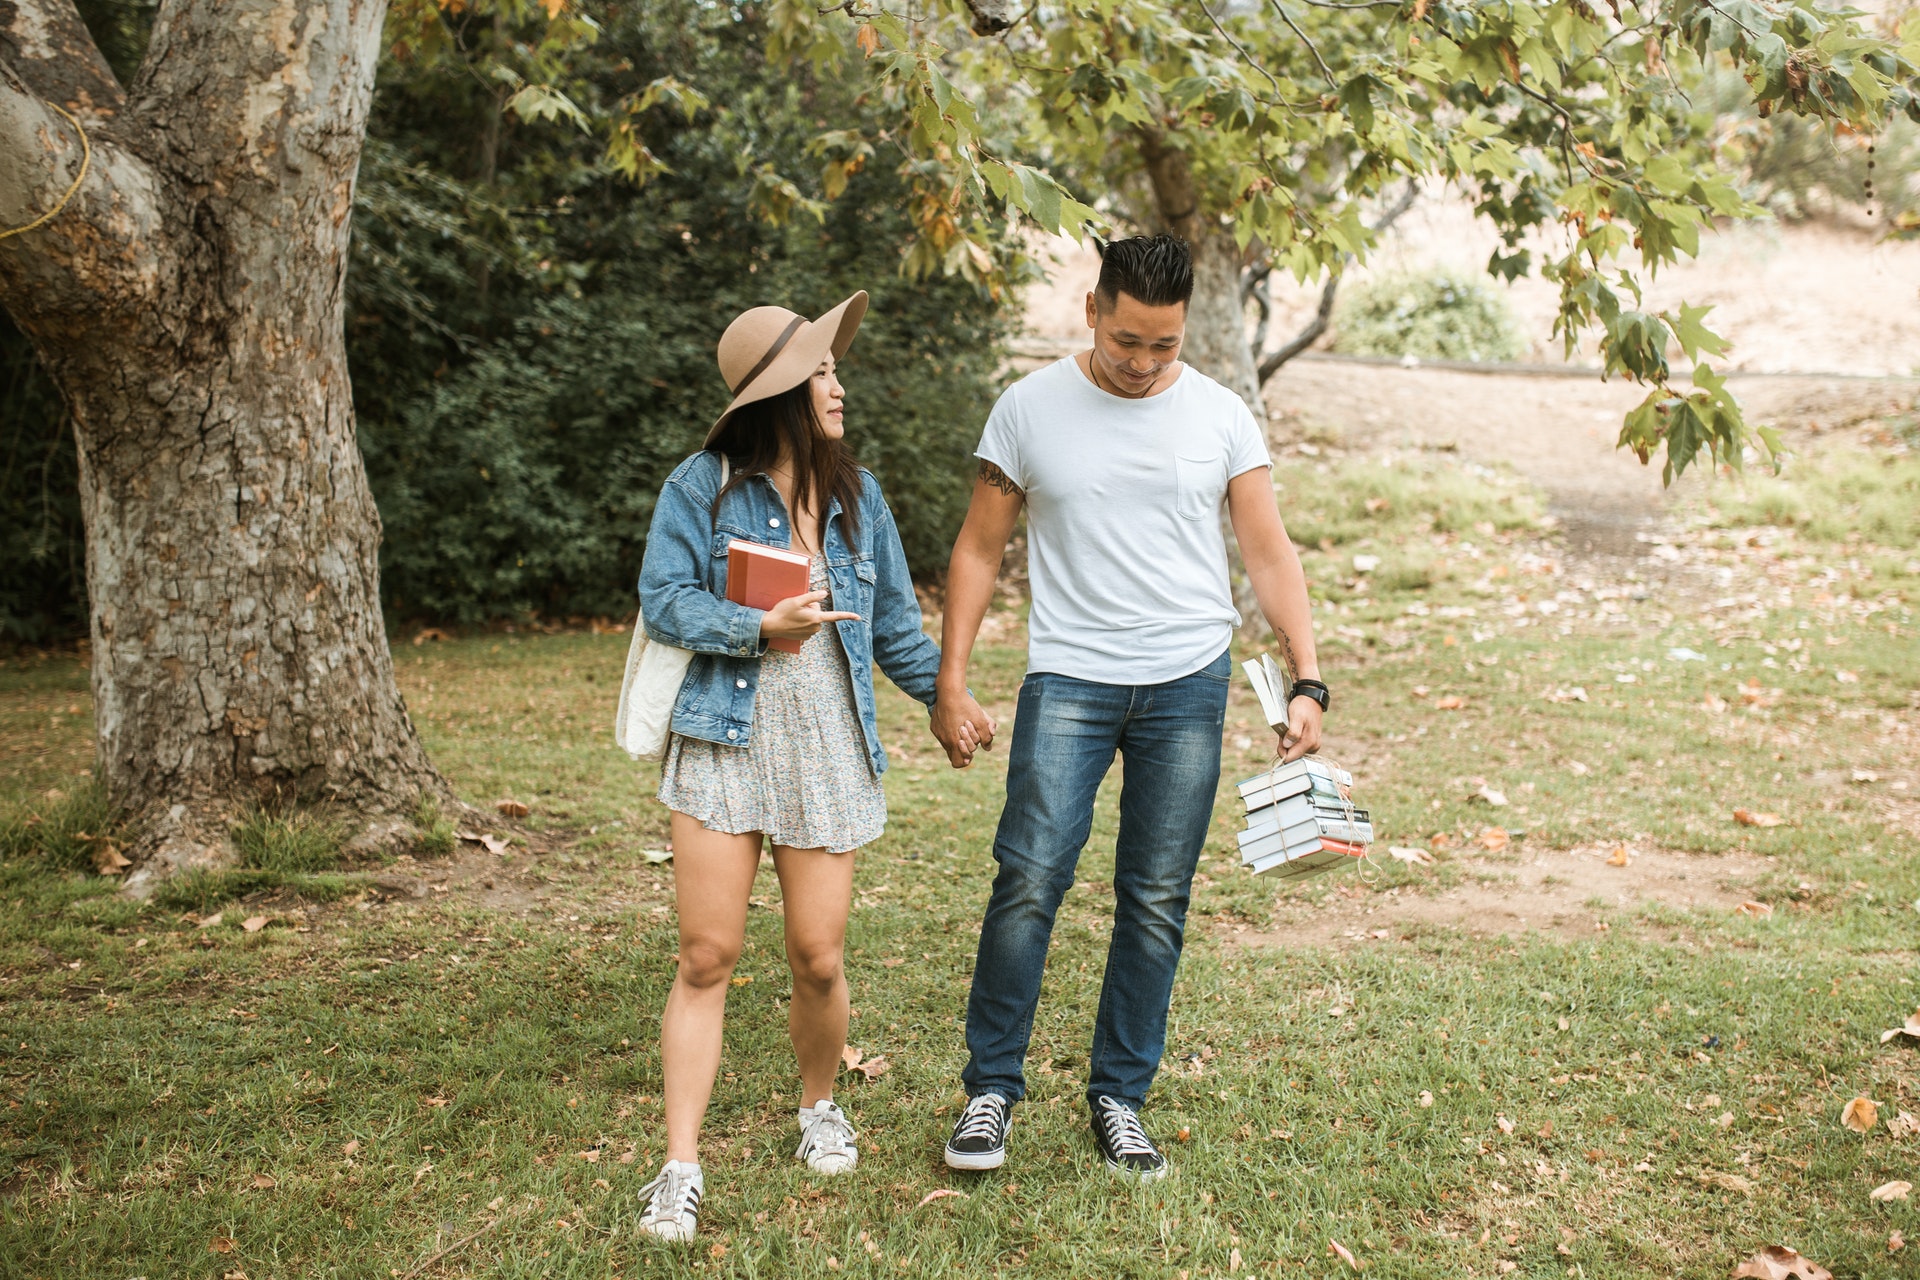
x,y
1124,501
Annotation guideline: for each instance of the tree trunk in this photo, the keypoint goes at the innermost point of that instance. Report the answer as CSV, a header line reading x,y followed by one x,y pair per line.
x,y
1216,342
188,302
1217,317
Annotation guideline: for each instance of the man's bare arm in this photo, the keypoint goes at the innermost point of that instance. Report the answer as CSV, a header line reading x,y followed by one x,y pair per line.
x,y
1280,585
971,573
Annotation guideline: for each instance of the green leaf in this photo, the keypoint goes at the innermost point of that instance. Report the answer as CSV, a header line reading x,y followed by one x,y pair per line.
x,y
1694,336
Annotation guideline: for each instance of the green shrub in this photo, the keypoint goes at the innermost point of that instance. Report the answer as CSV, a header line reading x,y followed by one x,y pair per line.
x,y
1435,315
288,844
63,832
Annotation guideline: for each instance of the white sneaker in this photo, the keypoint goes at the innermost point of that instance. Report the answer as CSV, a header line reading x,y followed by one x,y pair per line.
x,y
673,1203
826,1139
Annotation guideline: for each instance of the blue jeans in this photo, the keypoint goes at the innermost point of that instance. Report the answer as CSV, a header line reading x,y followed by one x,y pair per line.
x,y
1065,735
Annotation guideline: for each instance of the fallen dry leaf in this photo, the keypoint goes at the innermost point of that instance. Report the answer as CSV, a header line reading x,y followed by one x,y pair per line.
x,y
591,1156
1903,1125
1498,799
1777,1262
435,1101
871,1068
263,1181
1728,1182
939,1193
1895,1242
1183,1135
892,962
1748,818
1887,1192
1865,775
492,843
212,921
1505,1125
107,860
1452,702
1912,1028
1494,839
1412,857
1426,1097
1620,857
254,924
350,1147
221,1244
1233,1255
510,809
1335,1247
1759,910
1860,1115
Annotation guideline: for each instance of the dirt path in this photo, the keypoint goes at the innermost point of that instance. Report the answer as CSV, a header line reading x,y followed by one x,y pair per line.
x,y
1572,893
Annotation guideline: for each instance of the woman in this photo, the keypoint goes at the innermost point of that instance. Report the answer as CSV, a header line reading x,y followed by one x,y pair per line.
x,y
768,745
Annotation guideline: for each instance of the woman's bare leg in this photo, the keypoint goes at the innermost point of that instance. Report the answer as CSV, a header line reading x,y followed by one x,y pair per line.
x,y
712,879
817,890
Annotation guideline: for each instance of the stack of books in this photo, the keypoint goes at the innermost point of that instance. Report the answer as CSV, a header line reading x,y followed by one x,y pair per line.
x,y
1301,820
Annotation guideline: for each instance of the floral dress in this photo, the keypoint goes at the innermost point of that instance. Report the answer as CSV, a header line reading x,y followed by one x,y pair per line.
x,y
805,780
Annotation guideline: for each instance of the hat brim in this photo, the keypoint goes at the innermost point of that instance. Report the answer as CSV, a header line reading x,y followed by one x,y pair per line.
x,y
832,334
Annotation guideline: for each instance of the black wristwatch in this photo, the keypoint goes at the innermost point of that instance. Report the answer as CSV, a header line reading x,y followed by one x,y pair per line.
x,y
1315,690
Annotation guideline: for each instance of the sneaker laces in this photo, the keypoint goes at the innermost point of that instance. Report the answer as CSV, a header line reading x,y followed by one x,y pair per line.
x,y
1124,1134
984,1117
827,1130
672,1196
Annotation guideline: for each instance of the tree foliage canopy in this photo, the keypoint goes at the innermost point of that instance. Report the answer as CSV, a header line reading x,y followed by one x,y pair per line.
x,y
1573,127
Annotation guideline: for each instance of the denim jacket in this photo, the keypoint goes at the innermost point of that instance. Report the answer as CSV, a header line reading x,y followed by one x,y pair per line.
x,y
683,597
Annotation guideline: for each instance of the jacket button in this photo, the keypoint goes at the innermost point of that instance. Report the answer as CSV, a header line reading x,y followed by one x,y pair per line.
x,y
773,522
739,684
732,733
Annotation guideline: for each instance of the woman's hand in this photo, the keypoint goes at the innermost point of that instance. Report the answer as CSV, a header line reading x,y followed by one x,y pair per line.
x,y
798,617
1302,734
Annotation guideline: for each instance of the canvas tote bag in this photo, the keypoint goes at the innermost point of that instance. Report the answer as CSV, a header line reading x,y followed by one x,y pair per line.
x,y
655,672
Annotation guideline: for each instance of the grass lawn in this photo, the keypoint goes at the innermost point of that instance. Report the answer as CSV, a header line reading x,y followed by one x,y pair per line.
x,y
1633,1088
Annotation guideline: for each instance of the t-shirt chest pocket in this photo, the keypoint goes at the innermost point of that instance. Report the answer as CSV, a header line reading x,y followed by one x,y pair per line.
x,y
1199,485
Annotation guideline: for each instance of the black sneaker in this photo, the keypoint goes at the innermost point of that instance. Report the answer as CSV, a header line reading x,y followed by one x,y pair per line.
x,y
1123,1143
979,1138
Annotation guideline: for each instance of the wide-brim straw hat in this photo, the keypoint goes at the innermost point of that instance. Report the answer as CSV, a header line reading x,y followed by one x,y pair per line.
x,y
770,349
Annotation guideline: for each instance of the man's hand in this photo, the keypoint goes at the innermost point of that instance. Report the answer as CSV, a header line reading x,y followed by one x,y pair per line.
x,y
798,617
1302,734
962,726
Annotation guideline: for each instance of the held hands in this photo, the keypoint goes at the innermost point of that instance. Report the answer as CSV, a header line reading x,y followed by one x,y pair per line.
x,y
1302,734
963,727
798,617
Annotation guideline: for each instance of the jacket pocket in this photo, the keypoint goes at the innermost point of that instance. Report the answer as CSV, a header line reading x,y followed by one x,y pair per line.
x,y
1198,486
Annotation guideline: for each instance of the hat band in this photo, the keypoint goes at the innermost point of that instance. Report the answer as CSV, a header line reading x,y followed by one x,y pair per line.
x,y
773,353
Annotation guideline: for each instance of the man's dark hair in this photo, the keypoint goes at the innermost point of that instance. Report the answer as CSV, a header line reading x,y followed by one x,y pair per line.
x,y
1157,270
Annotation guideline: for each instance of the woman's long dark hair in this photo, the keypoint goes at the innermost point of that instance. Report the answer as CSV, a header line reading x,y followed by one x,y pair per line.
x,y
755,435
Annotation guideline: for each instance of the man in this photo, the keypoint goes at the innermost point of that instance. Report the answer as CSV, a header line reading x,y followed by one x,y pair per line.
x,y
1123,458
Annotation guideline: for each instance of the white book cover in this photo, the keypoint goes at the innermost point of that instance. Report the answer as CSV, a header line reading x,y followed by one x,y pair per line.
x,y
1273,840
1271,686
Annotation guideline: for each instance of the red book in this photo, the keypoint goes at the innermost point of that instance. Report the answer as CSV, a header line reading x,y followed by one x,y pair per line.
x,y
761,577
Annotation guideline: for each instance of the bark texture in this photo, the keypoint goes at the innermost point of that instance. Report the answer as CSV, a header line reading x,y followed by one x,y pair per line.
x,y
188,302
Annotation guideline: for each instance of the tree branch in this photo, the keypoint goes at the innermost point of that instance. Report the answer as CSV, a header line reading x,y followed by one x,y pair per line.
x,y
1323,314
1313,49
990,16
53,54
97,254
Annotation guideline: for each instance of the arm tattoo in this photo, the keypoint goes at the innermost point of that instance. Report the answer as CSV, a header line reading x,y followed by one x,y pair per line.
x,y
1293,664
998,479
